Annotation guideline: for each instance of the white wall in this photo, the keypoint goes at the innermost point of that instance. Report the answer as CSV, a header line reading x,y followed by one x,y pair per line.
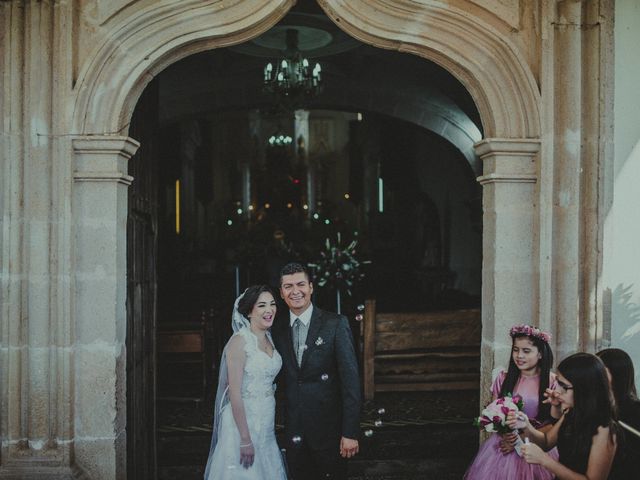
x,y
622,224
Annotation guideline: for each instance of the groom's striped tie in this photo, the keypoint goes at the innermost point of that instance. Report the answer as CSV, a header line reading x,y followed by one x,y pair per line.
x,y
296,340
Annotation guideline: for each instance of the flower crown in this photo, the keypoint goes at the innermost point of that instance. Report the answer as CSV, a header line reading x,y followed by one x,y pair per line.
x,y
530,331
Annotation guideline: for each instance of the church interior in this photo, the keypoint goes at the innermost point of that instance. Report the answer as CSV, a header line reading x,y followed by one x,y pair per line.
x,y
237,176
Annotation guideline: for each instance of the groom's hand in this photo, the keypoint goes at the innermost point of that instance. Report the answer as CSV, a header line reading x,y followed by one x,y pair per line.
x,y
348,447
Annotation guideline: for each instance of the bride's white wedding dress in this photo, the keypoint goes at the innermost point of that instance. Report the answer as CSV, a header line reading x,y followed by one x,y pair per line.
x,y
259,402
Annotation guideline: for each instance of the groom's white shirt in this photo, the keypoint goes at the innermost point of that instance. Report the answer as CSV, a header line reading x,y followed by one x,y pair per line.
x,y
305,317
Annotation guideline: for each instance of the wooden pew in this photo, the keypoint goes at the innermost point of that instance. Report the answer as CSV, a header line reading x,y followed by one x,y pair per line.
x,y
182,365
420,351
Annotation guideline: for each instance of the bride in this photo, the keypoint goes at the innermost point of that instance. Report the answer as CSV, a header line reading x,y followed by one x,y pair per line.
x,y
243,444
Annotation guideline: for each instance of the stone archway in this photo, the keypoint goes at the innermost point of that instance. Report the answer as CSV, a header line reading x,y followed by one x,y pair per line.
x,y
152,38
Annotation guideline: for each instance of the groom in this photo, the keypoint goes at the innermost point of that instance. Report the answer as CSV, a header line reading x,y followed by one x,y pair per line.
x,y
320,372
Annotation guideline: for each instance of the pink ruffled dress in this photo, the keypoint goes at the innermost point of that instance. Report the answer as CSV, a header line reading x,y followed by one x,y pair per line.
x,y
490,462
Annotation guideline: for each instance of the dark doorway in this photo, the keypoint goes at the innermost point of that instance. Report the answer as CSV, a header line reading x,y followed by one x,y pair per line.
x,y
142,241
217,205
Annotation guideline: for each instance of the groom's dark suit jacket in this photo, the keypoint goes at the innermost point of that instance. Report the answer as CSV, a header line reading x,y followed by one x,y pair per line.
x,y
323,394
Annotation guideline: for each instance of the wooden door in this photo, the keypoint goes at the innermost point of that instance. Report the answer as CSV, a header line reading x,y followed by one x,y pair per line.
x,y
142,246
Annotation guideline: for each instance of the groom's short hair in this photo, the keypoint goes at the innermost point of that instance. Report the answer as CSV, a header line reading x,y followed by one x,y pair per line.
x,y
294,267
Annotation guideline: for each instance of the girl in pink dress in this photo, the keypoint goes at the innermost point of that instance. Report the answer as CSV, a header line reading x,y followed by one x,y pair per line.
x,y
529,375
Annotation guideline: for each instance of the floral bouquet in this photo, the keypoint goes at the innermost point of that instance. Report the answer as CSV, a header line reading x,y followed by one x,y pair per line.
x,y
338,266
493,418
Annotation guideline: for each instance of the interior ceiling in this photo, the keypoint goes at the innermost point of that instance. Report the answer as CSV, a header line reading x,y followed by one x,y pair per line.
x,y
356,77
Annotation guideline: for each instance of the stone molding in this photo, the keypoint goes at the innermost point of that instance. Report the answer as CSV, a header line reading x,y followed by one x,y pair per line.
x,y
515,178
105,144
102,177
145,42
507,146
103,158
506,94
508,160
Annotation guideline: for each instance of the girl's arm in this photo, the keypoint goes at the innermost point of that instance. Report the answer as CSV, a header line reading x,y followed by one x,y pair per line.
x,y
545,438
496,385
601,456
236,358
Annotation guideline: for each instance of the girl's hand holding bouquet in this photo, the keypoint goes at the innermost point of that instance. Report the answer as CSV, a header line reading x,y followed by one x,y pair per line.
x,y
493,418
507,442
518,421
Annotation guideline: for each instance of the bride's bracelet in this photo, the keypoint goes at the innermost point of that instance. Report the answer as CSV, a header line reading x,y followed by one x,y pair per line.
x,y
246,444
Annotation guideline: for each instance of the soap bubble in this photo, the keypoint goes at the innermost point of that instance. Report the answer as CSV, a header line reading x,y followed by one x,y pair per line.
x,y
296,439
378,423
381,411
360,307
359,317
368,433
324,377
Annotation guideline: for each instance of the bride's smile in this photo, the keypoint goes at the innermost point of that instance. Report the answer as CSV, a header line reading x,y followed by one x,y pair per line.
x,y
264,311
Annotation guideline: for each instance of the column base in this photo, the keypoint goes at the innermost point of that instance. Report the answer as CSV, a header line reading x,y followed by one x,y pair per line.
x,y
37,472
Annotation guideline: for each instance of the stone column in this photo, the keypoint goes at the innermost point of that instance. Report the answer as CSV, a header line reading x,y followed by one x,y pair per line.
x,y
100,219
509,273
256,152
301,145
581,129
36,407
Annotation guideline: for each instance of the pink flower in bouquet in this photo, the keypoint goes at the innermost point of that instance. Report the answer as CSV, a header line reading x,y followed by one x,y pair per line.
x,y
493,417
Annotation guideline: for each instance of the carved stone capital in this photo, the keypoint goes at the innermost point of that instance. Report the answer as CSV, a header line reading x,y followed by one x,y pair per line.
x,y
103,158
508,160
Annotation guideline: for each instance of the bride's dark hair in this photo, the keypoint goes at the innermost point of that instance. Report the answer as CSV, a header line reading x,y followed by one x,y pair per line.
x,y
250,297
544,364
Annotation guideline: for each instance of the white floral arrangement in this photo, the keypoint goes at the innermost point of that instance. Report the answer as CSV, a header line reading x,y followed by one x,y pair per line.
x,y
338,266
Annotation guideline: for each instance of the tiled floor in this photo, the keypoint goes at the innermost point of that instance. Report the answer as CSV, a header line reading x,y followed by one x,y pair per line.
x,y
422,436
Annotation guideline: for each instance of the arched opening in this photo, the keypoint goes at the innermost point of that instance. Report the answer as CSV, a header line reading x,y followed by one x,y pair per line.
x,y
383,156
506,98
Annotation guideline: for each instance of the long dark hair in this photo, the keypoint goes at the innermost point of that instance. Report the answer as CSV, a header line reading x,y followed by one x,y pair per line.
x,y
544,364
620,366
250,297
592,407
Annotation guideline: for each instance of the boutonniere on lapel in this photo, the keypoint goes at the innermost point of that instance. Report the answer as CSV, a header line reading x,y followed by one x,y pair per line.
x,y
319,341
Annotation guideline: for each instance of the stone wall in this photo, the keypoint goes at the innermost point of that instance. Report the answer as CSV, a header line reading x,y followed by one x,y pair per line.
x,y
539,71
622,224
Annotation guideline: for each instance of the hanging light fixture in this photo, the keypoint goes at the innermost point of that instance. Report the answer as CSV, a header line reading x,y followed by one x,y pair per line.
x,y
280,140
292,80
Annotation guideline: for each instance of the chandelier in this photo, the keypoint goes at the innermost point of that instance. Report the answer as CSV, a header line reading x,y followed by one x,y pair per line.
x,y
280,140
292,81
